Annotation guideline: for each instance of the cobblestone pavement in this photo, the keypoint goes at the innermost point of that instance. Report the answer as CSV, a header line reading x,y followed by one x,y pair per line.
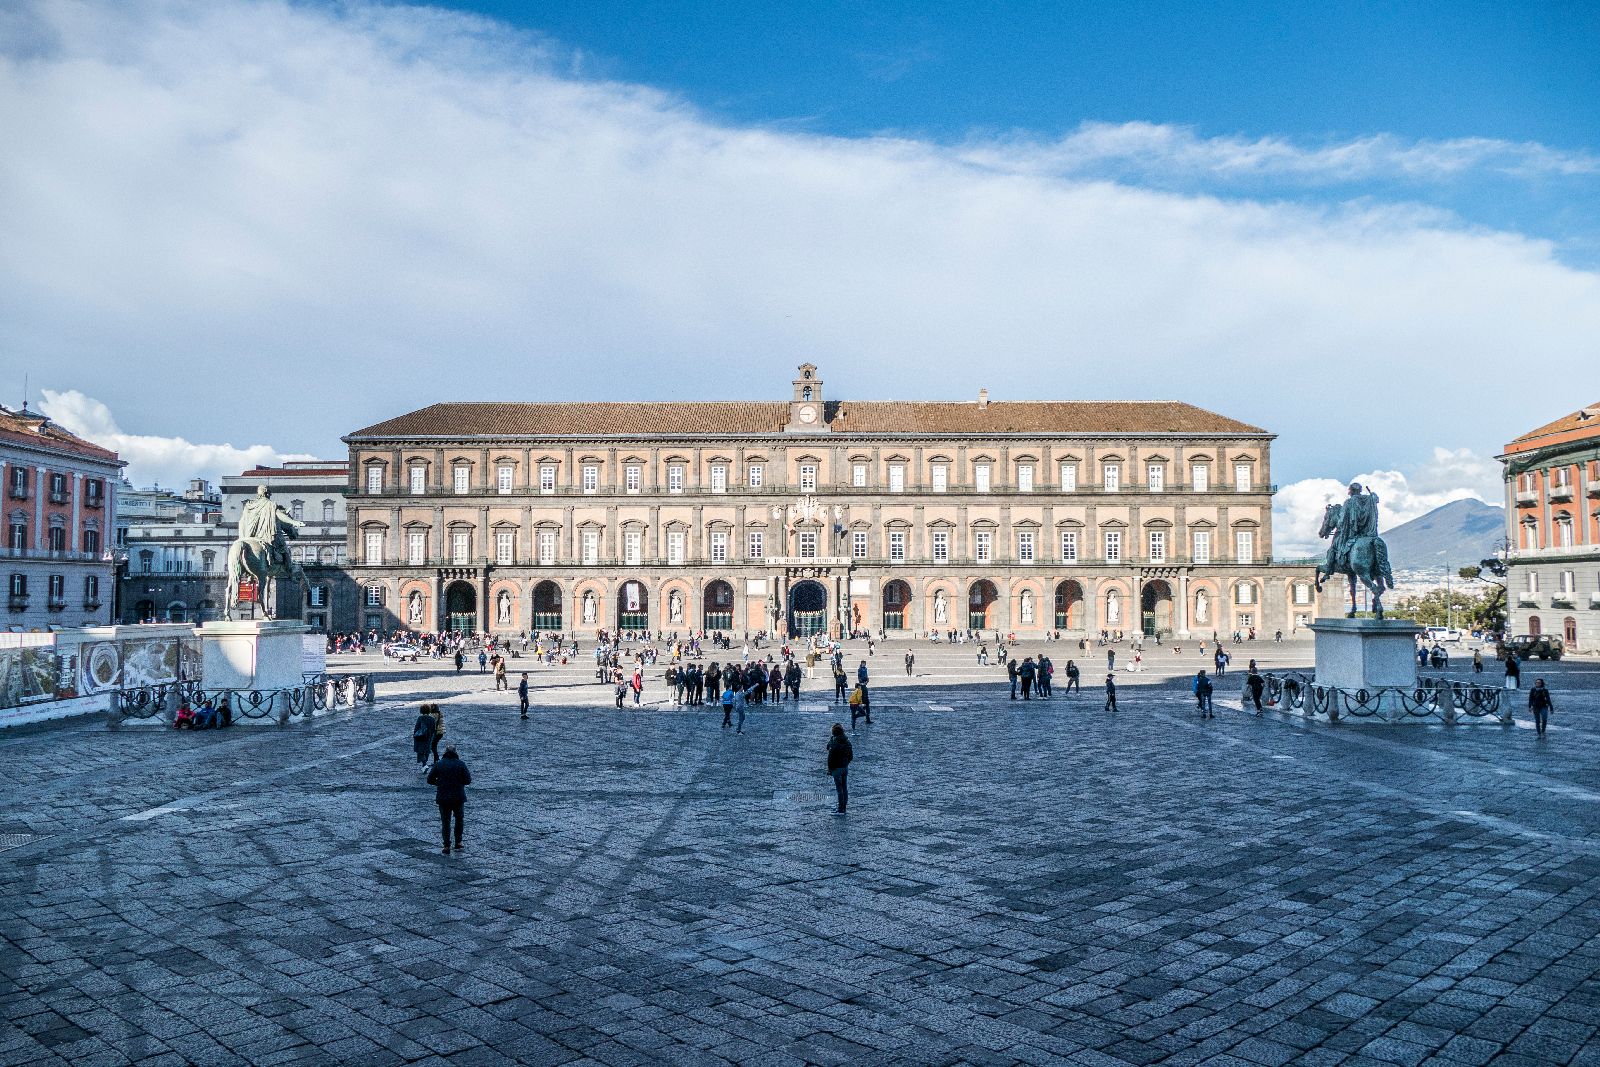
x,y
1037,883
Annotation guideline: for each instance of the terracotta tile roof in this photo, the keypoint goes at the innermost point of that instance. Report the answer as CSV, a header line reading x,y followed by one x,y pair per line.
x,y
843,416
37,431
1580,424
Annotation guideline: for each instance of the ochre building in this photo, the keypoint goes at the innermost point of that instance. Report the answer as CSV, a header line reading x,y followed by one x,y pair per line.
x,y
1553,530
814,514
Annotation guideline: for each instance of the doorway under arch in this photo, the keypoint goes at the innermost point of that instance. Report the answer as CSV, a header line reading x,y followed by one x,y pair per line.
x,y
633,606
716,612
1535,628
547,606
1569,633
461,608
1069,605
981,596
808,608
1155,608
896,605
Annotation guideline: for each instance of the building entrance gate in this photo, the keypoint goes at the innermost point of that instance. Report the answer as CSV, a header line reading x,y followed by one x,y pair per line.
x,y
1155,608
461,608
808,609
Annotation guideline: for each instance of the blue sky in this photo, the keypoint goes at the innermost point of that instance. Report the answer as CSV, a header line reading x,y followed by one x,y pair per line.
x,y
1355,225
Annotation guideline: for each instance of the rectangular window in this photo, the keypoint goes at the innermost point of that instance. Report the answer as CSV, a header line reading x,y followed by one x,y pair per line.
x,y
1025,546
808,478
547,477
719,546
374,546
1156,477
1158,546
327,511
91,541
1244,546
505,546
632,546
17,538
1069,546
675,546
1111,477
1533,582
319,596
858,544
983,546
897,478
1302,593
941,477
374,596
591,547
591,478
419,479
502,479
19,585
941,546
1569,582
547,547
1246,592
91,588
1113,546
56,587
1202,546
675,478
980,477
1069,477
858,475
631,479
374,478
1560,477
808,544
897,546
719,478
416,547
752,544
462,474
756,474
1200,478
460,546
1241,477
1025,477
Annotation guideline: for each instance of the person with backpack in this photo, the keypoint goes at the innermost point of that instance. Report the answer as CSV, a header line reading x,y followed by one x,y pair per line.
x,y
1044,682
839,756
1025,673
1540,705
450,779
423,732
1202,694
860,705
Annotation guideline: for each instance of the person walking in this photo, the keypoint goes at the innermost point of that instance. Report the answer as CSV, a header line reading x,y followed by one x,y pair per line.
x,y
841,683
1072,677
460,661
1513,670
839,756
450,779
1111,659
1111,691
727,707
1477,661
1014,675
1539,704
500,681
1202,694
740,702
522,694
911,660
483,661
860,705
422,734
1256,684
637,685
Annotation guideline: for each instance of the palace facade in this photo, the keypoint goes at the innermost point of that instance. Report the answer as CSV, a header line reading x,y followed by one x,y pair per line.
x,y
1553,530
815,514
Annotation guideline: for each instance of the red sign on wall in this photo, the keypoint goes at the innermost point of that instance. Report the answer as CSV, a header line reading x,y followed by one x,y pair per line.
x,y
247,590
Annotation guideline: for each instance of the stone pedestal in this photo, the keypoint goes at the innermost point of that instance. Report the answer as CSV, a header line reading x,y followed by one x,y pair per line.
x,y
1368,654
259,654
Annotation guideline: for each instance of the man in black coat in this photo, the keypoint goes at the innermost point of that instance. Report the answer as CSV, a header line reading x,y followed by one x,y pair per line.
x,y
450,779
839,756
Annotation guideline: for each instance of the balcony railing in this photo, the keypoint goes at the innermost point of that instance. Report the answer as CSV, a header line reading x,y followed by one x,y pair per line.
x,y
1527,496
58,497
17,601
94,500
18,492
1560,493
56,603
785,491
1593,491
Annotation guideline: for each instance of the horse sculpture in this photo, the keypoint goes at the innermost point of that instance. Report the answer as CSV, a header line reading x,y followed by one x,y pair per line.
x,y
1357,551
261,552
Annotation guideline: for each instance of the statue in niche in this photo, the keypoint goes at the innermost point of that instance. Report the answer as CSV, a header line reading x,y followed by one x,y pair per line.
x,y
941,608
1202,606
414,610
675,608
591,607
503,609
1113,608
1027,605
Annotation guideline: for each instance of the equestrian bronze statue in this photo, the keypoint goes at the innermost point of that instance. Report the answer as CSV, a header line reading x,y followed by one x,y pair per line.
x,y
262,551
1357,551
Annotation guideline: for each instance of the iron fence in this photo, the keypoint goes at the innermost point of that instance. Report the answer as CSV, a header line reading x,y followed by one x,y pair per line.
x,y
1443,699
316,693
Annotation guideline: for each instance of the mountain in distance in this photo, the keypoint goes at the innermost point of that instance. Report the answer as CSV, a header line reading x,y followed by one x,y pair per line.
x,y
1454,535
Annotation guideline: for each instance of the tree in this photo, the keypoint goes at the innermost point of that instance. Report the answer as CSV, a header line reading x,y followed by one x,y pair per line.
x,y
1494,595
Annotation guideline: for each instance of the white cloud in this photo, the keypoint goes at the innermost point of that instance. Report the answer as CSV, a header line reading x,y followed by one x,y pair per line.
x,y
1452,474
167,461
1164,149
301,219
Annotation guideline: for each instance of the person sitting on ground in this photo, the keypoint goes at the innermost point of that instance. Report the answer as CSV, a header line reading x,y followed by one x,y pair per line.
x,y
184,718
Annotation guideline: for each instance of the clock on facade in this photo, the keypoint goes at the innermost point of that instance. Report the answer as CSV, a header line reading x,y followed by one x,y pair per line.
x,y
808,413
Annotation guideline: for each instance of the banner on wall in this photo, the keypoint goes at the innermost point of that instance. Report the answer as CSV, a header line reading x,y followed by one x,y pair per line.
x,y
631,595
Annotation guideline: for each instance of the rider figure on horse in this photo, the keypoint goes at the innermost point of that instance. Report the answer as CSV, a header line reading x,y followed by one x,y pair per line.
x,y
264,525
1357,551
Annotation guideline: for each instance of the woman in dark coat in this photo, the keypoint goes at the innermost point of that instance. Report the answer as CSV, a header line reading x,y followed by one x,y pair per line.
x,y
424,734
839,756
